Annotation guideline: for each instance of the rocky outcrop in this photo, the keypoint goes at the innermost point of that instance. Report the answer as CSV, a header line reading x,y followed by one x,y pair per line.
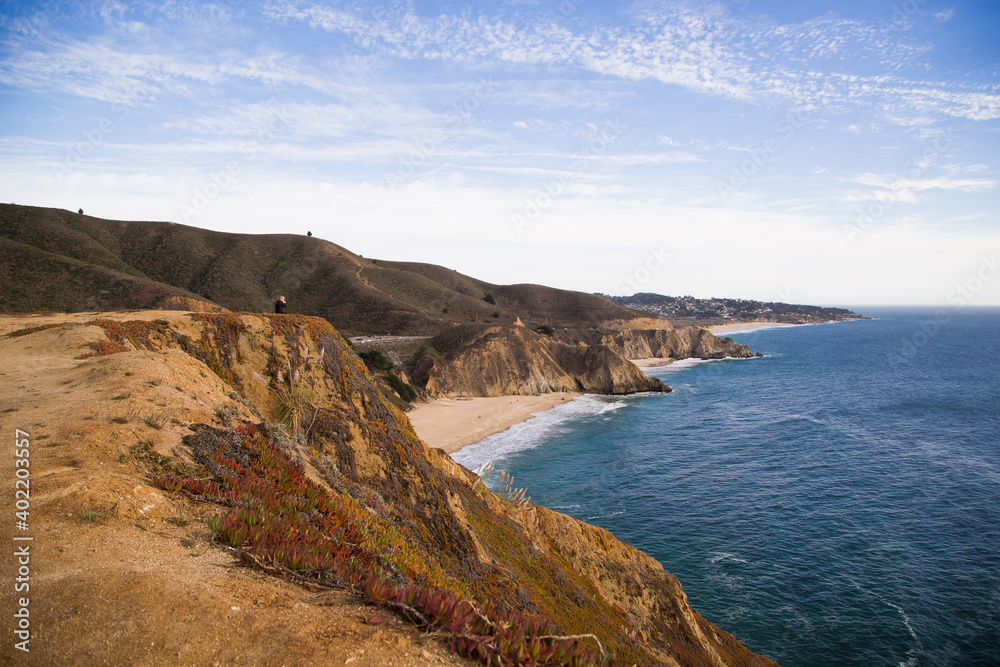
x,y
477,360
637,323
683,343
191,305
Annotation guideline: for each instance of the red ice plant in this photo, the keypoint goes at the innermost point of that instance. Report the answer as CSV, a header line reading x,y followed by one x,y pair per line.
x,y
281,521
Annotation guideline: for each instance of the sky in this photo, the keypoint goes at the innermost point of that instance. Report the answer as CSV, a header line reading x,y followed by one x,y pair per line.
x,y
831,153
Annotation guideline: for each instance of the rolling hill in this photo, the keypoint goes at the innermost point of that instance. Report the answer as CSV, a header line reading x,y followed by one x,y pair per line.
x,y
57,260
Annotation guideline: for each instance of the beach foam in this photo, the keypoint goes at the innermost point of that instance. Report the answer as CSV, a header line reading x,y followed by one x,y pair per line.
x,y
537,431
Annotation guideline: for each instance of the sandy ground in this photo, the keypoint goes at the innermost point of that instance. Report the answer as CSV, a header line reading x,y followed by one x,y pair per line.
x,y
9,323
453,423
651,362
745,326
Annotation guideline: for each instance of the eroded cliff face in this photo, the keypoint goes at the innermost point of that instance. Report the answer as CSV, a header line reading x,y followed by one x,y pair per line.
x,y
683,343
354,443
639,323
475,360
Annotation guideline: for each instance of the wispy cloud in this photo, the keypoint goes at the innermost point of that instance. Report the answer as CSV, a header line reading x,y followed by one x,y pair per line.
x,y
905,189
709,52
454,115
945,15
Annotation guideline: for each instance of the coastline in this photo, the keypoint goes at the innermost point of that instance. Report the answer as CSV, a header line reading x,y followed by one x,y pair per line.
x,y
740,327
452,423
653,362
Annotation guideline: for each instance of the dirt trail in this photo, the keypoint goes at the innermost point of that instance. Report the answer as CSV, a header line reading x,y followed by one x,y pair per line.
x,y
121,573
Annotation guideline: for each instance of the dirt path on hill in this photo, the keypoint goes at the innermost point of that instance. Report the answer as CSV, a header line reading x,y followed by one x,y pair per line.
x,y
119,572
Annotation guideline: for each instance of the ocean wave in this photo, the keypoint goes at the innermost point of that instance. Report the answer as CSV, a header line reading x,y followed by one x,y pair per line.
x,y
904,617
680,365
723,334
718,557
693,362
538,430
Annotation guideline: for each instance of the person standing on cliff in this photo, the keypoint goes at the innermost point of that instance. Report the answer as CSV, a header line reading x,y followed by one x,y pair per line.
x,y
279,305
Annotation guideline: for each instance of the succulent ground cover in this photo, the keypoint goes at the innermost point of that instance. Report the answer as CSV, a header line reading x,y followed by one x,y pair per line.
x,y
283,522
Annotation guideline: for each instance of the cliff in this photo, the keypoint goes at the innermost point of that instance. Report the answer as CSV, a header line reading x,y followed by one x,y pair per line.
x,y
343,504
683,343
478,360
637,323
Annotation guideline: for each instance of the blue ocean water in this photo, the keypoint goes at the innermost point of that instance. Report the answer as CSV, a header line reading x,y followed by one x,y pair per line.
x,y
835,502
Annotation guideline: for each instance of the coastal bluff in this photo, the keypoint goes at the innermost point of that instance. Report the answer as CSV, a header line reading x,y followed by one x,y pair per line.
x,y
497,360
150,434
683,343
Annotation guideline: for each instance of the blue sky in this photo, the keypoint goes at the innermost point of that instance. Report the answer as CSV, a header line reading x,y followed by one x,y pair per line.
x,y
833,153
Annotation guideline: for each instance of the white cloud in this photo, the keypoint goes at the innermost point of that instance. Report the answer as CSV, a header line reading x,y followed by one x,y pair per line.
x,y
945,15
345,123
706,51
902,189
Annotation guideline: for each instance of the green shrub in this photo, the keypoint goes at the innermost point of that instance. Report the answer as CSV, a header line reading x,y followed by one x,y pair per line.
x,y
429,352
405,391
375,359
545,330
488,298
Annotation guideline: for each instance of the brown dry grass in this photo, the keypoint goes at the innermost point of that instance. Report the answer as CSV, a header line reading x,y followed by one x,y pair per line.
x,y
122,573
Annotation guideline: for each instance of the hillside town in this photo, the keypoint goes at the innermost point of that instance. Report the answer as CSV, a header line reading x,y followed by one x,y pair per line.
x,y
728,310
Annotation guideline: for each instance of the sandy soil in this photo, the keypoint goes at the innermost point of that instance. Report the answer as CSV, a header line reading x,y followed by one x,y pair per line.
x,y
651,362
453,423
745,326
122,573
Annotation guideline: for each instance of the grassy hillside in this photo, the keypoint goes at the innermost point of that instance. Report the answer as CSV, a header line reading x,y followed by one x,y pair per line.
x,y
33,280
116,264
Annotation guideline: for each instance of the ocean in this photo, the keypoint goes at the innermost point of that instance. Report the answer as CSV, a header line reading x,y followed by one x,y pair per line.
x,y
834,502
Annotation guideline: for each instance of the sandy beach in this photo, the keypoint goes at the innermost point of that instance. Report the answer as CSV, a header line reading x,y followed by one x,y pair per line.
x,y
745,326
652,362
453,423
